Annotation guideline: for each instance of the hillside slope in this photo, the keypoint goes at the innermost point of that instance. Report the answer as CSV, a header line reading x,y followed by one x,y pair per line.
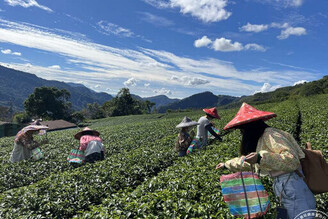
x,y
16,86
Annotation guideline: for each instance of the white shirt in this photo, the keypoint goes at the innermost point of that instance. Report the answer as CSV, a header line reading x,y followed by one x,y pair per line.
x,y
201,131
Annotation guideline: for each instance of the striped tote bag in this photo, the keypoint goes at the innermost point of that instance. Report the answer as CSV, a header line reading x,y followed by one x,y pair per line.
x,y
245,194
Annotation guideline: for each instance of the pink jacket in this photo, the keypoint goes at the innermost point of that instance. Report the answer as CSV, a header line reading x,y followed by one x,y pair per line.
x,y
85,139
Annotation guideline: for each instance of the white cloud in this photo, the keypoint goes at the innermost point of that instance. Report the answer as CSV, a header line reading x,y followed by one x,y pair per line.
x,y
156,20
300,82
297,31
9,52
256,47
205,10
267,88
55,67
97,86
282,3
110,28
254,27
27,4
6,51
110,67
162,91
190,81
131,82
146,84
225,45
204,41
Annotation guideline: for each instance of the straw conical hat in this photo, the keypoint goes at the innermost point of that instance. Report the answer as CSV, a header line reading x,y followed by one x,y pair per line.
x,y
186,122
247,114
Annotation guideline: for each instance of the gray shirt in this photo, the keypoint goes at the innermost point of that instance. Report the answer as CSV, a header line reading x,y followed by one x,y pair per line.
x,y
201,131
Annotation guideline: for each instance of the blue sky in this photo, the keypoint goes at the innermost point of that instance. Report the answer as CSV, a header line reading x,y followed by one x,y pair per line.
x,y
171,47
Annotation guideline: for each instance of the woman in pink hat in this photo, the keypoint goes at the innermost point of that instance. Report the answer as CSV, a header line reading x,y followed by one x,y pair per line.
x,y
91,144
24,142
275,153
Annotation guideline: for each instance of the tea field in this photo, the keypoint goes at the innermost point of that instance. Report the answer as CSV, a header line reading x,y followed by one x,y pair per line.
x,y
142,177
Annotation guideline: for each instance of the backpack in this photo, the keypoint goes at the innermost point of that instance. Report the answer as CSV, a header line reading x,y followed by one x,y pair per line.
x,y
315,169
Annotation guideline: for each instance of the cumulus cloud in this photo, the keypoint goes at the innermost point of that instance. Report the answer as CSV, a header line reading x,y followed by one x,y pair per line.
x,y
110,67
131,82
162,91
297,31
204,41
286,31
27,4
97,86
9,52
186,80
300,82
205,10
254,27
226,45
267,87
146,84
55,67
110,28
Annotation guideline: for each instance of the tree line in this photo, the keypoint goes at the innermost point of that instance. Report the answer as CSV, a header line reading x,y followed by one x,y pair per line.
x,y
51,103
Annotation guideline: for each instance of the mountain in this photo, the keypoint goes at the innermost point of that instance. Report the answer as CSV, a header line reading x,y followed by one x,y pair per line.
x,y
16,86
197,101
284,93
160,100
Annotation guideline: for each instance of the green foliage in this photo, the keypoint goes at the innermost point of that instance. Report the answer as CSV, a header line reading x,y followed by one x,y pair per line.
x,y
21,118
142,177
48,103
94,111
124,104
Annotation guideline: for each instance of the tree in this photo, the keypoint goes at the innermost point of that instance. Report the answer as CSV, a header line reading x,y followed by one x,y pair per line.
x,y
125,104
48,103
94,111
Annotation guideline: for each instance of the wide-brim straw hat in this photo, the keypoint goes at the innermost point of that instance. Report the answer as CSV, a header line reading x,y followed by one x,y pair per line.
x,y
86,130
247,114
30,128
186,122
213,112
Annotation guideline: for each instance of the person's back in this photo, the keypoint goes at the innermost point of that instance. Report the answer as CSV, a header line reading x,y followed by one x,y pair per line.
x,y
201,131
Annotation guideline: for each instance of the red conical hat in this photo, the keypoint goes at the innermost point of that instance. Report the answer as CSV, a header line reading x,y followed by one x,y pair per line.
x,y
213,112
247,114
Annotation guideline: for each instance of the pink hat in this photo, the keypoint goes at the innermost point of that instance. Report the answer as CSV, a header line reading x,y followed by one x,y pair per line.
x,y
213,112
85,131
247,114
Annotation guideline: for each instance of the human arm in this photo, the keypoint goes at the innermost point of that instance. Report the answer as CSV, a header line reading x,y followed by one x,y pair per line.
x,y
278,152
208,127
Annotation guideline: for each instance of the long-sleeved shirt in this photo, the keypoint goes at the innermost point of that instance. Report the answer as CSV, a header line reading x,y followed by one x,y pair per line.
x,y
27,141
85,139
184,140
279,151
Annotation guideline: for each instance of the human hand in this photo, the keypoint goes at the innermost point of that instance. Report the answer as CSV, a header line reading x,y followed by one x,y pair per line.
x,y
220,166
251,158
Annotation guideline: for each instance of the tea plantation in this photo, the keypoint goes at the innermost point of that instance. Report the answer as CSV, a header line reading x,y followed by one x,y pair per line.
x,y
142,177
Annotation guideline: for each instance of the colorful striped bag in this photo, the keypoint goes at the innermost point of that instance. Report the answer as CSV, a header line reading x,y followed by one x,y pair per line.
x,y
37,154
245,194
76,156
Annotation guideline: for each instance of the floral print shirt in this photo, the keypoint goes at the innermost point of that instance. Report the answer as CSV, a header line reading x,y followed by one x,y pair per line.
x,y
184,140
279,151
27,141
